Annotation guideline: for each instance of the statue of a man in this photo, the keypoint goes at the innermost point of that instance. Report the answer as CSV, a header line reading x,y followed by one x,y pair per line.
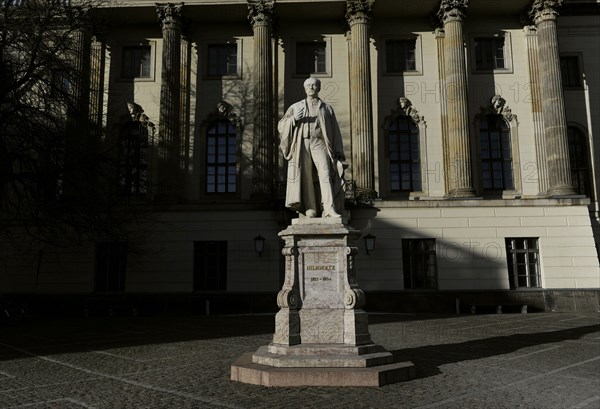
x,y
312,144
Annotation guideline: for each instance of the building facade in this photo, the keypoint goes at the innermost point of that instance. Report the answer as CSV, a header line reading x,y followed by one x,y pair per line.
x,y
467,129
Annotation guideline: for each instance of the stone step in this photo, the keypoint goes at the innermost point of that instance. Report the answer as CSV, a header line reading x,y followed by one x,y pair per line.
x,y
264,357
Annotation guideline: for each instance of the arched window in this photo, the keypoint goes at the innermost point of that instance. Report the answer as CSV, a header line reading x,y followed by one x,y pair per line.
x,y
496,153
405,156
221,157
579,159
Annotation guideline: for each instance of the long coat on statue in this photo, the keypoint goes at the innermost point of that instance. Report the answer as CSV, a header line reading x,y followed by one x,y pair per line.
x,y
292,133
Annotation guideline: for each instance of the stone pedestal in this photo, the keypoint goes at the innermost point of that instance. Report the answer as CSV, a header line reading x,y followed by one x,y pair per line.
x,y
321,333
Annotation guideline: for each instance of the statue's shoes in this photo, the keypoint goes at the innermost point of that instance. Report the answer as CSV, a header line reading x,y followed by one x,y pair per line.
x,y
311,213
330,213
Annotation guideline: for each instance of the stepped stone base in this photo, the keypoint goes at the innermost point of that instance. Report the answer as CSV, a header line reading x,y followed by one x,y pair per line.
x,y
321,332
322,355
246,371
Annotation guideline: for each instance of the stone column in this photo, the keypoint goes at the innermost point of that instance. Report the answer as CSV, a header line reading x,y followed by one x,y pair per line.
x,y
536,107
544,14
452,13
78,165
261,18
97,62
439,38
358,16
169,142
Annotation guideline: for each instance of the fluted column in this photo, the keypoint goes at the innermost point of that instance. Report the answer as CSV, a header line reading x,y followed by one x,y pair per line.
x,y
169,143
536,107
261,18
97,62
452,14
78,165
358,16
544,14
439,38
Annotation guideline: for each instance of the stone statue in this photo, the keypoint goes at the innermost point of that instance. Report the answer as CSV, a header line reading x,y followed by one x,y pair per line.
x,y
311,142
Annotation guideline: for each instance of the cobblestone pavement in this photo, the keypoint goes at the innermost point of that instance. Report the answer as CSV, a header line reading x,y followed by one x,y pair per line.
x,y
468,361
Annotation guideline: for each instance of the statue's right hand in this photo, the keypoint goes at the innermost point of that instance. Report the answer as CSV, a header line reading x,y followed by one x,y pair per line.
x,y
298,113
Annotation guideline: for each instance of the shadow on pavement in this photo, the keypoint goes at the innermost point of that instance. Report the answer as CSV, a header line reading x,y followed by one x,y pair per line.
x,y
428,359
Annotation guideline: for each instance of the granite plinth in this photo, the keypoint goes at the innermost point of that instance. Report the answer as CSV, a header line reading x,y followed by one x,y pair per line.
x,y
246,371
305,356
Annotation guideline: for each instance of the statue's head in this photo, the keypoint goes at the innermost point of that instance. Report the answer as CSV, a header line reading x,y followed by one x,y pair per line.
x,y
312,86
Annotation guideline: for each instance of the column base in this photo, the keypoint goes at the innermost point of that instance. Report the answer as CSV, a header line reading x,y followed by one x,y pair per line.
x,y
563,191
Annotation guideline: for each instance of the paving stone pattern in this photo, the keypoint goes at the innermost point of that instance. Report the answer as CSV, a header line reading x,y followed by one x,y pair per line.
x,y
468,361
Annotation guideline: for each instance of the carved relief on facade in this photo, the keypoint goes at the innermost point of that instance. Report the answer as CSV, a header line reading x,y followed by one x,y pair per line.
x,y
497,106
405,108
223,110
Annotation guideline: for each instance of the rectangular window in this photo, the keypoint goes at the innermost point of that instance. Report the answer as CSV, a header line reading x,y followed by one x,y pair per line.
x,y
221,158
405,155
496,154
420,263
523,262
400,56
111,265
136,62
222,60
490,54
210,266
569,70
311,57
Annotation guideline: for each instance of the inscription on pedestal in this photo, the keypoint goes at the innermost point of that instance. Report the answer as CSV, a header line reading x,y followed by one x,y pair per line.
x,y
321,279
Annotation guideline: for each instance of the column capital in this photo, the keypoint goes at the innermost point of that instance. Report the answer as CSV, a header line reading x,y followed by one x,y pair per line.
x,y
170,15
359,11
261,12
452,10
544,10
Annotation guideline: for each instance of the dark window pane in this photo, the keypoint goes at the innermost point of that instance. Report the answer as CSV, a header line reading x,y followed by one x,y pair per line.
x,y
221,60
489,53
496,153
136,62
419,263
111,265
579,159
570,71
210,265
400,55
523,262
311,57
